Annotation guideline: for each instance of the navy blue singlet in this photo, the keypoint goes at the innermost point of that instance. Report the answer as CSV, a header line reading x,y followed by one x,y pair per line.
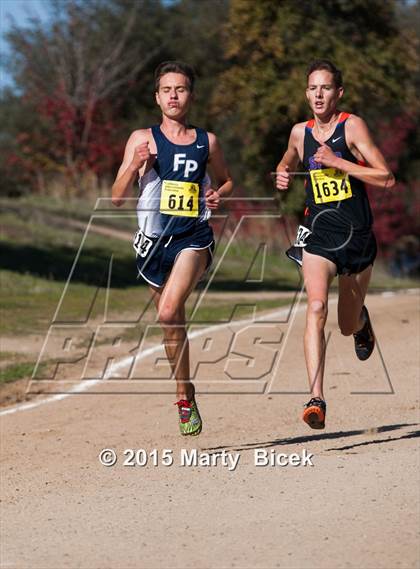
x,y
182,163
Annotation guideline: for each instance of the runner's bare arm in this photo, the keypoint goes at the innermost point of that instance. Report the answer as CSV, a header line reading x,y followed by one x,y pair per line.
x,y
134,162
219,173
291,158
358,138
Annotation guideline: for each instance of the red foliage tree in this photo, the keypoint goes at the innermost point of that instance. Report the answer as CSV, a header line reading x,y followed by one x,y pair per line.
x,y
395,210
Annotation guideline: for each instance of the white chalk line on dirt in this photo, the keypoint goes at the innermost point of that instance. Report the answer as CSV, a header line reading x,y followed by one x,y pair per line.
x,y
86,385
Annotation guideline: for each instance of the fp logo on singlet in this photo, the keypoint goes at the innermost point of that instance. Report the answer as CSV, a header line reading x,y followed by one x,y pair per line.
x,y
189,165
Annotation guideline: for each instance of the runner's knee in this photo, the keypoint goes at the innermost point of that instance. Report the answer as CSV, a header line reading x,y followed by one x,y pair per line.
x,y
318,309
170,315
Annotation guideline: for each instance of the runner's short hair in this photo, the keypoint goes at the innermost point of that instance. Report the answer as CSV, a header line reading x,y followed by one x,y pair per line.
x,y
326,65
175,67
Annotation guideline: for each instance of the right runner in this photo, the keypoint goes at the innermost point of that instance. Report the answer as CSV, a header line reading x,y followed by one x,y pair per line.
x,y
338,154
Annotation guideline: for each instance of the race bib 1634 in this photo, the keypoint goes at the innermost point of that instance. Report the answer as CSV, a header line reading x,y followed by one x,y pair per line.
x,y
330,185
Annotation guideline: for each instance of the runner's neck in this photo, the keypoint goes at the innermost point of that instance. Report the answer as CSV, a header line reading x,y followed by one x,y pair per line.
x,y
173,128
324,127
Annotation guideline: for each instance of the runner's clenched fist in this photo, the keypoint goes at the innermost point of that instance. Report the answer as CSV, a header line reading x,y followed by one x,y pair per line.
x,y
141,155
283,179
325,156
212,199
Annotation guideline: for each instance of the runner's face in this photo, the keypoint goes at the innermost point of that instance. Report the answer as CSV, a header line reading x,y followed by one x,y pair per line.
x,y
322,94
174,96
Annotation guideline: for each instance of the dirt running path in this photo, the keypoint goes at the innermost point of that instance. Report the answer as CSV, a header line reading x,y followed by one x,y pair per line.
x,y
358,506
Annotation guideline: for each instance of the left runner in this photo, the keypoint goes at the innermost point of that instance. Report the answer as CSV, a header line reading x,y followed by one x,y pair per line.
x,y
174,243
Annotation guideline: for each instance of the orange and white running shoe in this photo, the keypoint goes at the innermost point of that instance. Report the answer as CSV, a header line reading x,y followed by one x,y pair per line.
x,y
315,412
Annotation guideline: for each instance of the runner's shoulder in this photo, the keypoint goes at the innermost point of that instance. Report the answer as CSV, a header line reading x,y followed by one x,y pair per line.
x,y
140,135
212,137
354,122
356,127
213,141
297,133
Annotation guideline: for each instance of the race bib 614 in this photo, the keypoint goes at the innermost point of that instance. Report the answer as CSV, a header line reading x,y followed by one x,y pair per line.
x,y
179,198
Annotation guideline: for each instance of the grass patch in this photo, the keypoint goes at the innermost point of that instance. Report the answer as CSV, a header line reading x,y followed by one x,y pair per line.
x,y
29,303
209,314
77,210
17,371
38,256
31,243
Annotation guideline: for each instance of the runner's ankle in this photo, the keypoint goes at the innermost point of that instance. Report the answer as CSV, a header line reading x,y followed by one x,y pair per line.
x,y
186,392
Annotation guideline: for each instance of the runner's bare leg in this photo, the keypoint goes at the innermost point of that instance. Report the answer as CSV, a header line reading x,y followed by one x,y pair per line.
x,y
170,304
318,274
351,297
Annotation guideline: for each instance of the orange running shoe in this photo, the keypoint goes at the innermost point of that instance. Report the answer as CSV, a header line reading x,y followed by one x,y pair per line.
x,y
314,413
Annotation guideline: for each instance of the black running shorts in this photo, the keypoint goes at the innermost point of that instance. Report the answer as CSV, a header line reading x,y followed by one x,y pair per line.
x,y
351,253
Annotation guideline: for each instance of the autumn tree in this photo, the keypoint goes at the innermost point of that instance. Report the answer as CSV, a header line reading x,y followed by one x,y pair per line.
x,y
71,75
85,79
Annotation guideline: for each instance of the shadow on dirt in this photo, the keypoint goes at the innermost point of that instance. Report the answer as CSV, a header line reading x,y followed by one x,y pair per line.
x,y
325,436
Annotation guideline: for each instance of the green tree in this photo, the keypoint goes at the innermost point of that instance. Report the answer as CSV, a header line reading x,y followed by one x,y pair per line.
x,y
270,44
191,32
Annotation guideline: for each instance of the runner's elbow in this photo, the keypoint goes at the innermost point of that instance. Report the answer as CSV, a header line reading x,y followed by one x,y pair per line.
x,y
117,201
117,198
229,188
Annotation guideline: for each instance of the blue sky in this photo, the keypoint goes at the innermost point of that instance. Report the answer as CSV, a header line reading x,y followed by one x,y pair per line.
x,y
20,10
